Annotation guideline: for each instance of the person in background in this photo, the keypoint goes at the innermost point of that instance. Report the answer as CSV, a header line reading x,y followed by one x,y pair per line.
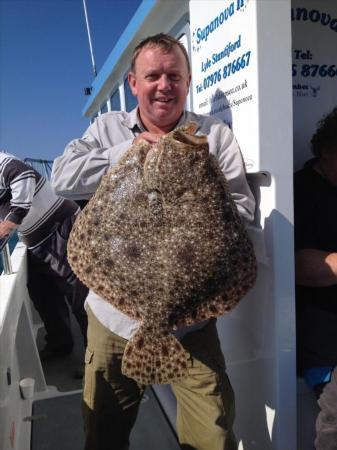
x,y
43,222
315,197
160,77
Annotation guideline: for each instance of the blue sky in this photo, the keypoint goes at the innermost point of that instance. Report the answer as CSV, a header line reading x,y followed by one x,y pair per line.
x,y
45,65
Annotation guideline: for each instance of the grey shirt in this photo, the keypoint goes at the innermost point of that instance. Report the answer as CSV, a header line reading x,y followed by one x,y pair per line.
x,y
27,199
76,175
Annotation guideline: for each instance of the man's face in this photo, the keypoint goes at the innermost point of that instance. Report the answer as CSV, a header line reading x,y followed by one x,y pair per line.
x,y
160,82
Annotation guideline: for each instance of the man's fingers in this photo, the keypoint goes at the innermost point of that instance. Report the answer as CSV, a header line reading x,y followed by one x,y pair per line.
x,y
146,136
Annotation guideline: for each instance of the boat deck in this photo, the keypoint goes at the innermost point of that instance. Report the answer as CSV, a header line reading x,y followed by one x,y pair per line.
x,y
53,414
58,419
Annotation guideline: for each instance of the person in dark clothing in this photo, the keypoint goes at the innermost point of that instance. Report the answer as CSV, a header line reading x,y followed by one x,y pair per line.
x,y
315,198
43,221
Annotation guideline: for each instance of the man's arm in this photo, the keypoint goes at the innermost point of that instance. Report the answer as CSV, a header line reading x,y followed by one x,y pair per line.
x,y
20,180
315,267
77,173
6,227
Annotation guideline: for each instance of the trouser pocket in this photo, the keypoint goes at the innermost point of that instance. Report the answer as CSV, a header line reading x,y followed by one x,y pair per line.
x,y
88,379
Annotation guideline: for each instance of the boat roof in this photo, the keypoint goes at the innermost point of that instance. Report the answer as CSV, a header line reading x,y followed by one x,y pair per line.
x,y
151,16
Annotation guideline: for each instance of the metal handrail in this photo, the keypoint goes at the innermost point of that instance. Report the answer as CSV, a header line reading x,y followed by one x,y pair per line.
x,y
5,254
43,166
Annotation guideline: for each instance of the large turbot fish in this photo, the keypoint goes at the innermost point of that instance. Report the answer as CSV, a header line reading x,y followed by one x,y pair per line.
x,y
162,241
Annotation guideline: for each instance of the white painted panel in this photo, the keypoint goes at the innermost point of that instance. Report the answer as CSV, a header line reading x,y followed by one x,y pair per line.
x,y
19,356
258,337
224,68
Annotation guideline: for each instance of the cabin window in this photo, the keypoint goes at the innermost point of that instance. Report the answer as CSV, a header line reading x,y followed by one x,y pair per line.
x,y
115,101
104,108
130,100
92,120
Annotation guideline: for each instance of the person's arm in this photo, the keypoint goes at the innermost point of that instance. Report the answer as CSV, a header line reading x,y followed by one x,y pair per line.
x,y
315,267
21,181
76,174
6,227
231,163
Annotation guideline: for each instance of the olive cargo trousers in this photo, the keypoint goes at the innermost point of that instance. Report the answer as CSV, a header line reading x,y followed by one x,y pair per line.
x,y
205,399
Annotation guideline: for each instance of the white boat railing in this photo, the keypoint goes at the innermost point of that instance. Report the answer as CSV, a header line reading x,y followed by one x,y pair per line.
x,y
19,354
43,166
5,255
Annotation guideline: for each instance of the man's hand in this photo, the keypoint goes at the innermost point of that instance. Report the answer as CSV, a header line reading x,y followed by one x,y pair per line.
x,y
6,227
148,137
315,267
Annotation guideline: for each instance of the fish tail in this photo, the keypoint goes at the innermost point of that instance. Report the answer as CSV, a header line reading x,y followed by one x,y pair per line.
x,y
154,360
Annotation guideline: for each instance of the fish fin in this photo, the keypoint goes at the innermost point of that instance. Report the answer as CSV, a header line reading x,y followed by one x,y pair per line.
x,y
188,128
154,360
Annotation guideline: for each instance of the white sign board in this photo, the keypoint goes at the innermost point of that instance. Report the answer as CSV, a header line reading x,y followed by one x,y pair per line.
x,y
224,68
241,73
314,55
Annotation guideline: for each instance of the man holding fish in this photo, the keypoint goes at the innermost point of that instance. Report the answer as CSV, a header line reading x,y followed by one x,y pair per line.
x,y
160,78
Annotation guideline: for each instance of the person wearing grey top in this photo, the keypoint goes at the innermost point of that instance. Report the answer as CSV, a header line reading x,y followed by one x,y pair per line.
x,y
43,221
160,78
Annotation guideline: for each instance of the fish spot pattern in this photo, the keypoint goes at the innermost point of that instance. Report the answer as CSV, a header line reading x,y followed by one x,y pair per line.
x,y
169,248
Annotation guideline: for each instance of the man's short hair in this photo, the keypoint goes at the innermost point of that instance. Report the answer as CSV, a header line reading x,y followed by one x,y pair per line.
x,y
325,137
164,42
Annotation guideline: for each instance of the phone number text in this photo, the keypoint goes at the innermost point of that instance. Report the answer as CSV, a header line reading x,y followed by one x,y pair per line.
x,y
315,70
236,65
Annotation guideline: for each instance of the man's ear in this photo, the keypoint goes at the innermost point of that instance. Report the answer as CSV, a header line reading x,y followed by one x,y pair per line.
x,y
189,80
132,83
